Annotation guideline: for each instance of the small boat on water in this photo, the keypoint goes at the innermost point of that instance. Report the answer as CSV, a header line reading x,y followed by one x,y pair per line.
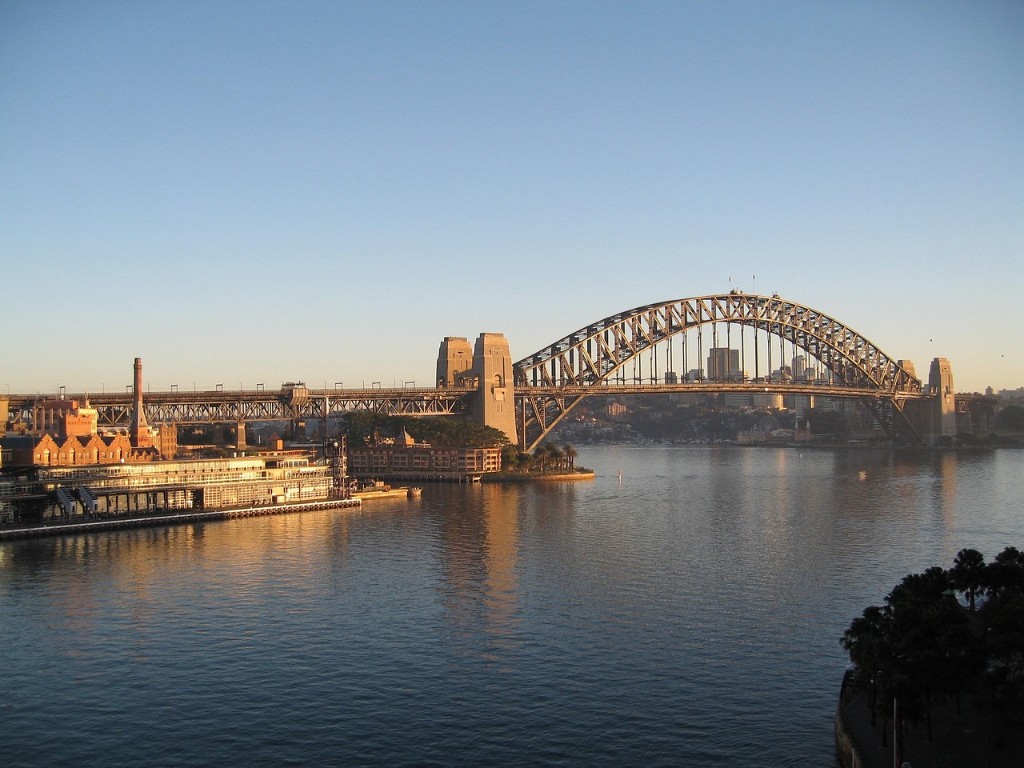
x,y
415,492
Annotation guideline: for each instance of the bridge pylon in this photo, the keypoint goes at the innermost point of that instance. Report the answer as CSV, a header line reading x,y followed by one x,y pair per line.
x,y
943,410
454,361
488,370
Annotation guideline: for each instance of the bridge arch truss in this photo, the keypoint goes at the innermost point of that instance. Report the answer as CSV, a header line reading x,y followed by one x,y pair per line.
x,y
611,351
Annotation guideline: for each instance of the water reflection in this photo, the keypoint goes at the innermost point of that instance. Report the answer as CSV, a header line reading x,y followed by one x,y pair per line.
x,y
500,549
579,624
479,551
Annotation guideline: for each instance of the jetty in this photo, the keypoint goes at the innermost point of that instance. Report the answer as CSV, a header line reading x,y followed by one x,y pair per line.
x,y
68,528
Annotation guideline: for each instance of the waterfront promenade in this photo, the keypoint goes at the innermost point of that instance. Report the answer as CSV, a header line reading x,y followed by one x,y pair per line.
x,y
979,736
66,528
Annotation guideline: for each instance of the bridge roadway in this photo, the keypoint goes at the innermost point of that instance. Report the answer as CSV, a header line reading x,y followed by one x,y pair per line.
x,y
594,360
232,406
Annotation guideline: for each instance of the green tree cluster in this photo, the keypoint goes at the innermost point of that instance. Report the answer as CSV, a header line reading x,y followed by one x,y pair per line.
x,y
923,646
546,457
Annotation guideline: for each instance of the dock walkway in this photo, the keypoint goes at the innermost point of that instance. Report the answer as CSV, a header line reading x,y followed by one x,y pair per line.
x,y
170,518
978,736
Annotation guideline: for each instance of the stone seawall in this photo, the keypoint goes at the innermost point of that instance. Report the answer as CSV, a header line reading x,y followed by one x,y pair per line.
x,y
848,753
534,477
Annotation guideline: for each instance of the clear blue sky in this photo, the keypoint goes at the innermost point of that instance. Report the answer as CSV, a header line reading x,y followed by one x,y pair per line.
x,y
255,192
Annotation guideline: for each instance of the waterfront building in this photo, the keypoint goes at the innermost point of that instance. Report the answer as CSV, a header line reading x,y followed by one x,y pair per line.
x,y
76,450
63,418
405,459
65,433
55,451
85,491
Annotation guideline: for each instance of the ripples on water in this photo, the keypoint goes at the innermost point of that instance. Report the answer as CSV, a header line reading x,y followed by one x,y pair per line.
x,y
689,615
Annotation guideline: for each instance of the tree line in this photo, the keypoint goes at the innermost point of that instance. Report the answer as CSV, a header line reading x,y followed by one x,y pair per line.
x,y
547,457
940,634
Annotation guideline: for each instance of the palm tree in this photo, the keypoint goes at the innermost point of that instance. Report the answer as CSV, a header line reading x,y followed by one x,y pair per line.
x,y
1006,571
540,456
548,453
557,456
968,573
570,456
526,461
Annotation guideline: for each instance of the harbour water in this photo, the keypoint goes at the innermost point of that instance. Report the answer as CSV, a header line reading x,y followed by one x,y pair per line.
x,y
687,614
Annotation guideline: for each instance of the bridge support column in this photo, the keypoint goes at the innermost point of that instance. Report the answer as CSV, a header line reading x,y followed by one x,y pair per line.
x,y
942,422
240,435
494,404
454,360
488,367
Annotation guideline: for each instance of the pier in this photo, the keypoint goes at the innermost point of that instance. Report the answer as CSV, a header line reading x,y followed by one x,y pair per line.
x,y
172,518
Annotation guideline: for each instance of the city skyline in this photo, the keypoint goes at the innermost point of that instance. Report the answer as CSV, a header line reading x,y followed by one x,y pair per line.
x,y
262,192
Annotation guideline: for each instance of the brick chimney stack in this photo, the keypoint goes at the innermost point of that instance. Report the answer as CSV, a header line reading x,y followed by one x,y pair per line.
x,y
141,435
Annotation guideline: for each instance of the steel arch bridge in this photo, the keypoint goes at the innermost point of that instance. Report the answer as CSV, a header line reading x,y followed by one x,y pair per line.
x,y
604,357
596,358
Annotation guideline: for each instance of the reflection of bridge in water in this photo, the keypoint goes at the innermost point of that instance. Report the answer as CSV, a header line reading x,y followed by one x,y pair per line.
x,y
736,343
